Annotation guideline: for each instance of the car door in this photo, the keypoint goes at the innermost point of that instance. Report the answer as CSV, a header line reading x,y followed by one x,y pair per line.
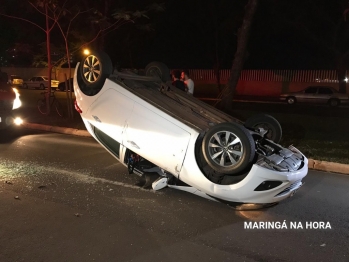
x,y
109,113
41,81
156,137
31,82
324,94
309,95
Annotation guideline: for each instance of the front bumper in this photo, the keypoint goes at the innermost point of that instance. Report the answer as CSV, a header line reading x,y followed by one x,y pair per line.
x,y
245,191
8,119
288,178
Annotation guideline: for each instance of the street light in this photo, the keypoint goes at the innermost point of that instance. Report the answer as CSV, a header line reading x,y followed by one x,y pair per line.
x,y
86,51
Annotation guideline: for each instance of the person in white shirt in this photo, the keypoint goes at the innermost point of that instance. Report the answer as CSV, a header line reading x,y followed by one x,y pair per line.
x,y
188,81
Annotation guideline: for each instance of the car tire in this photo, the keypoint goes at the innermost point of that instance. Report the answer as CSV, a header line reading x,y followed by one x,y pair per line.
x,y
228,148
333,102
42,87
158,69
268,123
291,100
94,69
61,87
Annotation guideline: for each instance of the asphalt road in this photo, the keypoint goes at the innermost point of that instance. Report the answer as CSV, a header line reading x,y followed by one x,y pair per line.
x,y
64,198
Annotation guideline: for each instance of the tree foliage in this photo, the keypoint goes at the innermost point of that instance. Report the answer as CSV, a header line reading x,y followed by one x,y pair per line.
x,y
322,25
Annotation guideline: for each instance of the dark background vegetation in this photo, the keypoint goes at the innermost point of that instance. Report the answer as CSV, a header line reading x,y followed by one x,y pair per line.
x,y
299,34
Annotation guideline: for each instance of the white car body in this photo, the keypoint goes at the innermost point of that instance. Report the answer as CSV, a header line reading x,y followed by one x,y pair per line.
x,y
145,123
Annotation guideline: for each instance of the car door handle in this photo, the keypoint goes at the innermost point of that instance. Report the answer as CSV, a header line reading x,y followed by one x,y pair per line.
x,y
133,144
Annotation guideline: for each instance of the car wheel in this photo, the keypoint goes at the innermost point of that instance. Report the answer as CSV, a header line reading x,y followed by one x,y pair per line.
x,y
94,69
158,69
25,86
228,148
291,100
268,123
42,87
333,102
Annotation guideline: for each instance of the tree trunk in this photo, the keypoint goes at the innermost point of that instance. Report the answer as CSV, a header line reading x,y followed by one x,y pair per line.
x,y
48,47
341,71
217,67
243,34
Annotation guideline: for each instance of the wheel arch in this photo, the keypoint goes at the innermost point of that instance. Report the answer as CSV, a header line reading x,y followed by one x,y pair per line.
x,y
265,121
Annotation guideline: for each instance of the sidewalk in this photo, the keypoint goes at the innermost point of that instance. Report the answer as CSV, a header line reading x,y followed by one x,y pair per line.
x,y
312,164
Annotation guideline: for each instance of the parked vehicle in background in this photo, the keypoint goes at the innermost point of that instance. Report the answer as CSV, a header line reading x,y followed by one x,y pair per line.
x,y
61,85
39,82
316,94
15,80
9,102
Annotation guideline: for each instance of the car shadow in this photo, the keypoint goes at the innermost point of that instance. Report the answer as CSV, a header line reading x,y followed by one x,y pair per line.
x,y
11,134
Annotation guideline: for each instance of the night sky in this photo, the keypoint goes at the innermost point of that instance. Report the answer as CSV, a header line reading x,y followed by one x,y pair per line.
x,y
193,33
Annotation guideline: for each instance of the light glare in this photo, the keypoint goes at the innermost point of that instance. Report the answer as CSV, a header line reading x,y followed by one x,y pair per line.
x,y
17,103
18,121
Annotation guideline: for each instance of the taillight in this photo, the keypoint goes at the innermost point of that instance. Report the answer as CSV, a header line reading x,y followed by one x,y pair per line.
x,y
77,108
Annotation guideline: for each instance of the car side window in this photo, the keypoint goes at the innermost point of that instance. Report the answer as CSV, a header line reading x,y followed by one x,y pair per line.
x,y
310,90
324,90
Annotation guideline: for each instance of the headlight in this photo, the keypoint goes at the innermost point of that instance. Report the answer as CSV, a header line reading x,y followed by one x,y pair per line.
x,y
18,121
17,103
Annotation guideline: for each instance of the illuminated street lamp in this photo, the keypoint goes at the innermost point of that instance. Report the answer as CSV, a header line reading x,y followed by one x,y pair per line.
x,y
86,51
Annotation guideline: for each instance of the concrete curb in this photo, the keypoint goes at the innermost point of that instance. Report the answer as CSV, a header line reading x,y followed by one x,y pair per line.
x,y
312,164
328,166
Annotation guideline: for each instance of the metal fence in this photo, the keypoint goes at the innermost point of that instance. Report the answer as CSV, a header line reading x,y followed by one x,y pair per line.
x,y
329,76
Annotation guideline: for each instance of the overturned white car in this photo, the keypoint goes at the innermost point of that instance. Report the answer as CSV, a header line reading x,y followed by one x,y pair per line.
x,y
151,126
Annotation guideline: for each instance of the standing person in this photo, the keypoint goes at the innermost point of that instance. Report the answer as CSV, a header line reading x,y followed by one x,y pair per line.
x,y
176,74
188,81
